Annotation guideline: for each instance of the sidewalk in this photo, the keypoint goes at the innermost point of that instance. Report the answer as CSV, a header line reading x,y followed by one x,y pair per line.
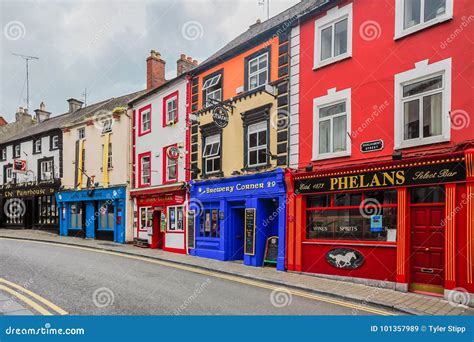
x,y
409,303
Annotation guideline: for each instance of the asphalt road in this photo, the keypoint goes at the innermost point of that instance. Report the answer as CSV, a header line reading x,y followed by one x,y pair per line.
x,y
89,283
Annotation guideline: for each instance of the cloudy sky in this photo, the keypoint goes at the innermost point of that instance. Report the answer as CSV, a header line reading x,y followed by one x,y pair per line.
x,y
102,45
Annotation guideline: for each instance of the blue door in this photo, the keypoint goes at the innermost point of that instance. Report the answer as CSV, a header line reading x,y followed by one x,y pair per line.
x,y
237,233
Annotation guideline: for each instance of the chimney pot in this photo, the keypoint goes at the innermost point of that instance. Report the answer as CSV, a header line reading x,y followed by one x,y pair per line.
x,y
184,64
155,70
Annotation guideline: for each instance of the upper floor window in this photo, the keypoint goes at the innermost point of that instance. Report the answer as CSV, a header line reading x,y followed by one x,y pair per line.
x,y
171,165
170,109
8,176
106,126
109,155
257,71
46,169
17,151
144,118
145,170
212,89
3,154
333,36
257,151
415,15
54,143
332,122
422,104
81,133
37,146
211,154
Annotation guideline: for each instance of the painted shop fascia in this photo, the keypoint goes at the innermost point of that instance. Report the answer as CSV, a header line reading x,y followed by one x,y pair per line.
x,y
81,213
236,217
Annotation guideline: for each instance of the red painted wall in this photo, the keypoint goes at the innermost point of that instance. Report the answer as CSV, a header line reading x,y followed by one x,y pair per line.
x,y
371,69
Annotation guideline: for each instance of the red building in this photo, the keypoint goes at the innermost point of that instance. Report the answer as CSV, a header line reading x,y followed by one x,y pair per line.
x,y
382,180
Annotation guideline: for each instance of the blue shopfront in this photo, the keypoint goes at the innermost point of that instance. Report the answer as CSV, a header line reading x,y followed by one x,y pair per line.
x,y
239,218
93,213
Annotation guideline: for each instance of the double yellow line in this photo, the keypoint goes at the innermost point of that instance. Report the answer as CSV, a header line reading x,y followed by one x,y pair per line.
x,y
34,301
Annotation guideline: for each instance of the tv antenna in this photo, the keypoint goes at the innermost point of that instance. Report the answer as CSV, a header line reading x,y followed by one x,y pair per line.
x,y
85,97
27,60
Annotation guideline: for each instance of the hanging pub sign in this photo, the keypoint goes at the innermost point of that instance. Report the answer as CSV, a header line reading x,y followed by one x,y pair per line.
x,y
371,146
346,258
173,152
410,174
249,241
19,165
271,250
220,115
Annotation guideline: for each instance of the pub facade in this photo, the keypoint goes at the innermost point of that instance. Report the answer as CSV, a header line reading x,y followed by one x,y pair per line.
x,y
380,187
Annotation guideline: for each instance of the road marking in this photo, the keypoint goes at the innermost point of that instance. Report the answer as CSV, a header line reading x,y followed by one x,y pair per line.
x,y
26,300
35,296
238,279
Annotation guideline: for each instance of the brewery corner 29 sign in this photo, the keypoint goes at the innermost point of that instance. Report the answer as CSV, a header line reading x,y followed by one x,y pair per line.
x,y
429,173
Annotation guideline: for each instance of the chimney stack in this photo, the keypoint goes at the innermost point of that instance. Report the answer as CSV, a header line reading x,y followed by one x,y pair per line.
x,y
155,70
184,64
41,113
74,105
22,115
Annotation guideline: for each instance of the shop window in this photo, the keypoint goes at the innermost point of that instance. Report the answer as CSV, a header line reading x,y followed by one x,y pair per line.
x,y
176,218
257,139
430,194
422,104
209,223
212,154
146,218
333,34
107,211
352,217
81,133
37,146
47,210
257,71
414,15
76,216
332,122
54,142
212,89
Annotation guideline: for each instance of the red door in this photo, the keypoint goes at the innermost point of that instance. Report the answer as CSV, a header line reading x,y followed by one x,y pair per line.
x,y
157,236
427,249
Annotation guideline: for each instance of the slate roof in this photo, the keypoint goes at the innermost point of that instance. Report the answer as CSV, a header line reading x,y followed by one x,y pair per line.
x,y
286,17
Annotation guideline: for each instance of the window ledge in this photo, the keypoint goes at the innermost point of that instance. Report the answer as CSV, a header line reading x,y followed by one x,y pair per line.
x,y
331,156
420,27
324,63
421,142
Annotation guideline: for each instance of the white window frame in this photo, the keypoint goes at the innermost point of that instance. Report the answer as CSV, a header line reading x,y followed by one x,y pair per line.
x,y
399,18
107,126
258,71
257,128
215,94
37,146
49,164
142,174
332,97
175,110
148,121
9,173
333,16
55,142
148,222
81,133
423,71
15,154
168,225
170,162
4,154
211,140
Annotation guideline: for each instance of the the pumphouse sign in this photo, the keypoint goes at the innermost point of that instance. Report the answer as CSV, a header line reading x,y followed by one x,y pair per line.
x,y
428,173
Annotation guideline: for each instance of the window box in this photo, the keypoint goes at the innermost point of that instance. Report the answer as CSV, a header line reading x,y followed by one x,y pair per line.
x,y
331,125
333,36
414,15
423,104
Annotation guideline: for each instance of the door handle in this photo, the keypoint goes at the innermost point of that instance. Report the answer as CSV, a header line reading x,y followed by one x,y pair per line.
x,y
427,249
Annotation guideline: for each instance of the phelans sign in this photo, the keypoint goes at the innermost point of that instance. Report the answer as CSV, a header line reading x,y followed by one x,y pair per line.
x,y
415,175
